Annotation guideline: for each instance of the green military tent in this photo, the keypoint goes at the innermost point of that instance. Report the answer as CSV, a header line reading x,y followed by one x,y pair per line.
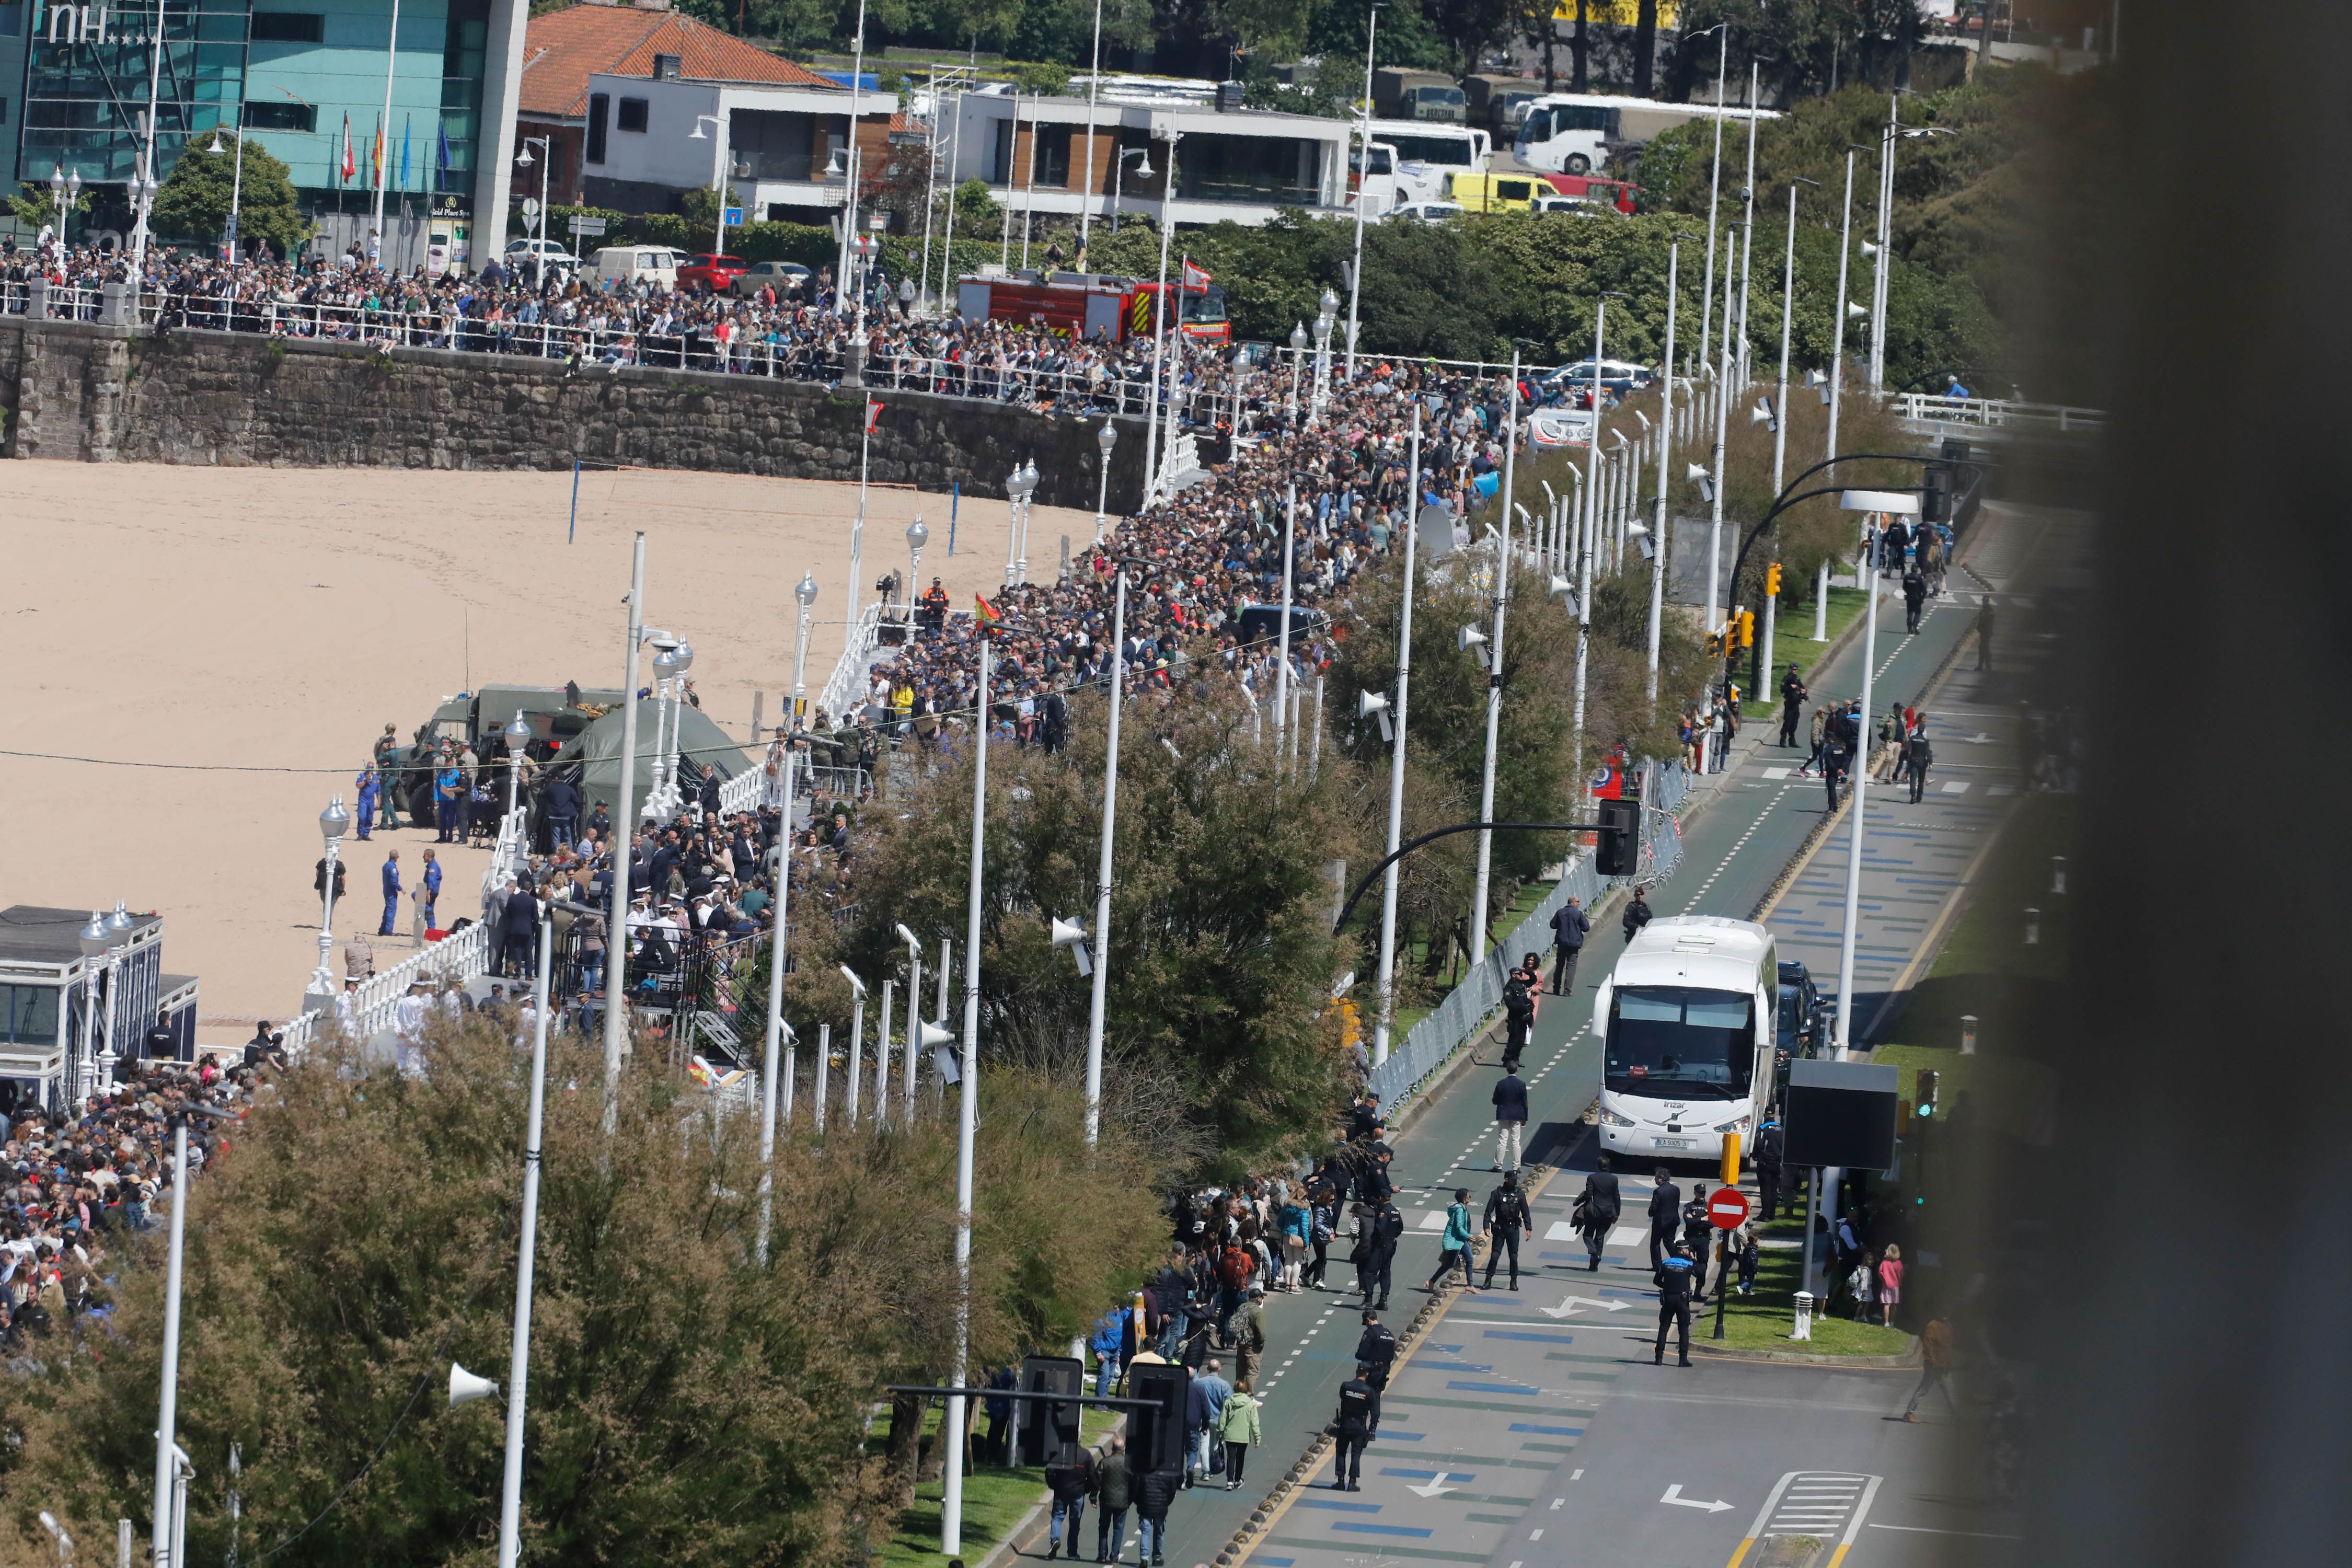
x,y
599,746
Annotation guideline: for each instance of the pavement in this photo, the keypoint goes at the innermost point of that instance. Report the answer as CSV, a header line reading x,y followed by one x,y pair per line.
x,y
1535,1418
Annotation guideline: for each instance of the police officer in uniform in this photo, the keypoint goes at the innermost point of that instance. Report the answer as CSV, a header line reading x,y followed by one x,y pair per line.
x,y
1672,1276
1353,1430
1387,1227
1696,1228
1376,1351
1792,702
1507,1218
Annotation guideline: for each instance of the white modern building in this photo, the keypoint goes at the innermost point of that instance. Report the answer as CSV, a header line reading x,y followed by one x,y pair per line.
x,y
1244,165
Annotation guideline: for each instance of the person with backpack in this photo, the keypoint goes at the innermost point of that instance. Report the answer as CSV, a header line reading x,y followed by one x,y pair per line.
x,y
1376,1351
1917,757
1772,1148
1915,595
1106,1340
1454,1245
1637,912
1205,1402
1237,1427
1698,1235
1236,1267
1069,1484
1322,1223
1155,1493
1510,1119
1508,1221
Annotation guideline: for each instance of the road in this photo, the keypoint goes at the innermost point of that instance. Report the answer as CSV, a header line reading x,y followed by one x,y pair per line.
x,y
1524,1417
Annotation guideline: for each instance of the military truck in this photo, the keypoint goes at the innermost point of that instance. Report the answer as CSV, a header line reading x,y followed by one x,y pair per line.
x,y
479,720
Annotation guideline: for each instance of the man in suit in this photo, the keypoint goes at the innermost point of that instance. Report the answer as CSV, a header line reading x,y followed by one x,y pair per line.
x,y
1569,927
1665,1215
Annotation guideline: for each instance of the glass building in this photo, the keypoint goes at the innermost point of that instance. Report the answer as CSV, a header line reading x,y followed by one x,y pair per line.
x,y
306,79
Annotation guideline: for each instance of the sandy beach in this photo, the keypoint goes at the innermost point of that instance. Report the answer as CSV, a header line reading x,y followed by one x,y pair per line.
x,y
274,621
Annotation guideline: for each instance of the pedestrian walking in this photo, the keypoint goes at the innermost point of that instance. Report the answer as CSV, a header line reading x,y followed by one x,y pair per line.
x,y
1350,1430
1509,1222
1569,927
1984,633
1666,1213
1792,703
1205,1402
1388,1229
1672,1278
1935,1369
1915,595
1833,761
1698,1235
1106,1338
428,894
1155,1493
1322,1221
1510,1098
1238,1429
1376,1351
1069,1484
1249,1336
1113,1492
1742,1246
1917,757
1453,1247
1594,1215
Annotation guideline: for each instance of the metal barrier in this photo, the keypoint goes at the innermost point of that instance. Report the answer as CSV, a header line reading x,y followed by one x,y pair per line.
x,y
1430,1044
1998,414
460,956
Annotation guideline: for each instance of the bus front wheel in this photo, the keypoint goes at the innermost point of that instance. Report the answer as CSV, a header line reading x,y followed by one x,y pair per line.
x,y
1578,164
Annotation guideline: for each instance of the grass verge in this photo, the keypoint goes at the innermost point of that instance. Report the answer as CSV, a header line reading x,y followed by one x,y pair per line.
x,y
1762,1321
994,1501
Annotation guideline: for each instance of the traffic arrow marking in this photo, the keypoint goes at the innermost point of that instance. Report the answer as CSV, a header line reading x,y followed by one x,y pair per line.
x,y
1674,1496
1571,1303
1431,1489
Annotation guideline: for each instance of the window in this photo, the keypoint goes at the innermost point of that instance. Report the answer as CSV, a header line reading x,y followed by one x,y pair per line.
x,y
631,116
1271,169
288,26
280,117
1582,117
600,110
28,1015
1049,155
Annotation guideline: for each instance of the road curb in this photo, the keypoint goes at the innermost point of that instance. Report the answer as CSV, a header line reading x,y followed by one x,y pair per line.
x,y
1295,1480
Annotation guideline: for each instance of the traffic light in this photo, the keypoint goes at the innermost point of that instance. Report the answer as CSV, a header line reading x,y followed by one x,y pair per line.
x,y
1049,1432
1935,503
1928,1091
1715,644
1747,628
1155,1440
1619,851
1772,581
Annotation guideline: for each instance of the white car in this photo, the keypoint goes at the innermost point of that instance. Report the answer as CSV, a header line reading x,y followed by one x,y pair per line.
x,y
1425,212
522,252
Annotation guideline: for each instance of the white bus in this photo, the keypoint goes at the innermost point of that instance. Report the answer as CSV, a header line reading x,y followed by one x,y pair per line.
x,y
1574,132
1427,154
1686,1023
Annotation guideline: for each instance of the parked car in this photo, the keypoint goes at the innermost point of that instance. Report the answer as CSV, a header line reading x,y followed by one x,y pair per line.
x,y
627,263
716,273
526,257
1425,212
1802,1014
783,277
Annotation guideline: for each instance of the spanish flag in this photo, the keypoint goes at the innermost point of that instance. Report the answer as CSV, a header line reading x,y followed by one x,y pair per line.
x,y
986,614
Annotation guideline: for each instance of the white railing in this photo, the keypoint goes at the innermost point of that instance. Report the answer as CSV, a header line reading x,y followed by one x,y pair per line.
x,y
849,683
513,848
741,793
1998,414
462,956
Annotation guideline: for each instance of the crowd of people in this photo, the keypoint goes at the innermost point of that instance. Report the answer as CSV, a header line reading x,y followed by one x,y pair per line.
x,y
80,1183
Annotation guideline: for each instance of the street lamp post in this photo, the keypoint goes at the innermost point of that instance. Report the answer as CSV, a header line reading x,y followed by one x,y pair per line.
x,y
1098,1002
718,175
333,823
518,1358
1119,178
1871,536
616,935
778,937
1164,318
914,1013
1326,318
664,669
95,940
1780,419
1105,439
1282,643
1363,172
1591,533
518,738
237,180
856,1041
1387,978
1028,489
804,595
1722,417
917,537
951,1431
523,159
1298,365
1666,449
1494,672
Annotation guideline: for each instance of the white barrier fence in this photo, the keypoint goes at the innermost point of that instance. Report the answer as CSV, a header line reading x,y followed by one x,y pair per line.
x,y
460,956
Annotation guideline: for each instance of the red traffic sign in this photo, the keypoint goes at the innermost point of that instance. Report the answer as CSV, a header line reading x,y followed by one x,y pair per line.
x,y
1727,1208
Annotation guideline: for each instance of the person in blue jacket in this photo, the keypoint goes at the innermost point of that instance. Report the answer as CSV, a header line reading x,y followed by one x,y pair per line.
x,y
391,892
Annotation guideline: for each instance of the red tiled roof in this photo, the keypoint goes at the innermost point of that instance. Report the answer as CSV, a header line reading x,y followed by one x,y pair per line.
x,y
562,48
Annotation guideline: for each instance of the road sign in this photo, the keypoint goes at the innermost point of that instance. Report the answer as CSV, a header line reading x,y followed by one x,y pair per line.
x,y
1727,1208
734,218
582,223
529,208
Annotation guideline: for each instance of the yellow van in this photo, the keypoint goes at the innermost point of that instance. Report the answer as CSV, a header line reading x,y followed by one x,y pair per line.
x,y
1497,193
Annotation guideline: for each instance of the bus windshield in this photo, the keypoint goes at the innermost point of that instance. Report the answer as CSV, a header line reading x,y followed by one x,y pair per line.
x,y
1454,151
1677,1042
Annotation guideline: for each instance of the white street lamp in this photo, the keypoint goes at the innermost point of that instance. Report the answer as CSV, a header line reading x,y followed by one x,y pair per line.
x,y
333,823
1494,662
1325,318
1116,696
1387,979
917,537
1591,534
237,180
778,937
1105,439
518,1361
1297,363
518,738
967,1086
677,719
805,596
95,940
914,1014
1666,449
1363,173
1028,489
616,939
523,159
717,174
1012,525
1780,415
856,1040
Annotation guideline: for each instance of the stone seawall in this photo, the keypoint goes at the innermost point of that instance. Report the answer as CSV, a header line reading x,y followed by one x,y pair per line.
x,y
105,393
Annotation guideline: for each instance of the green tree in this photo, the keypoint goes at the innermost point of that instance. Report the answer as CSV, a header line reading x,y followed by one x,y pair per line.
x,y
193,203
689,1405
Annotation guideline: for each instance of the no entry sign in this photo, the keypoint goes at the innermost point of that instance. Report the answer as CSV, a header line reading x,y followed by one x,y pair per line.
x,y
1727,1208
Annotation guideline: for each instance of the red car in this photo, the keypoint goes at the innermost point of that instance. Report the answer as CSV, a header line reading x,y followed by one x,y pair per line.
x,y
711,273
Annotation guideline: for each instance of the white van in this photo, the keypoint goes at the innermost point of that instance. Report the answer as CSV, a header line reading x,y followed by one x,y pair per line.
x,y
1687,1023
627,263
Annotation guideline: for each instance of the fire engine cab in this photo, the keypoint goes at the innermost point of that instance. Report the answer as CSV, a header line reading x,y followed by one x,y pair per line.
x,y
1093,304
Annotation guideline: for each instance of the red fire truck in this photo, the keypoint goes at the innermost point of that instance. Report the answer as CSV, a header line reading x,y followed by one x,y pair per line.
x,y
1092,304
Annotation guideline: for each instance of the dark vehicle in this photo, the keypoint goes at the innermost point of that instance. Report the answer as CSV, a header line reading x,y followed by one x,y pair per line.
x,y
1259,624
1804,1019
478,719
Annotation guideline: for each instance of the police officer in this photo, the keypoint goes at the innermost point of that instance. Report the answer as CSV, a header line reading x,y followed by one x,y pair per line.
x,y
391,892
1507,1217
1672,1276
1833,758
1637,912
1666,1213
1387,1227
1771,1144
1792,702
1696,1228
1915,595
1376,1351
1352,1429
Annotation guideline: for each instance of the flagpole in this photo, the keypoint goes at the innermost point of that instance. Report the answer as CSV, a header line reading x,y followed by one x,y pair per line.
x,y
390,58
857,527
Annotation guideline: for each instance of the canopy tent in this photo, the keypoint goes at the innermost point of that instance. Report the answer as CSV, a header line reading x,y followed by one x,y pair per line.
x,y
599,746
